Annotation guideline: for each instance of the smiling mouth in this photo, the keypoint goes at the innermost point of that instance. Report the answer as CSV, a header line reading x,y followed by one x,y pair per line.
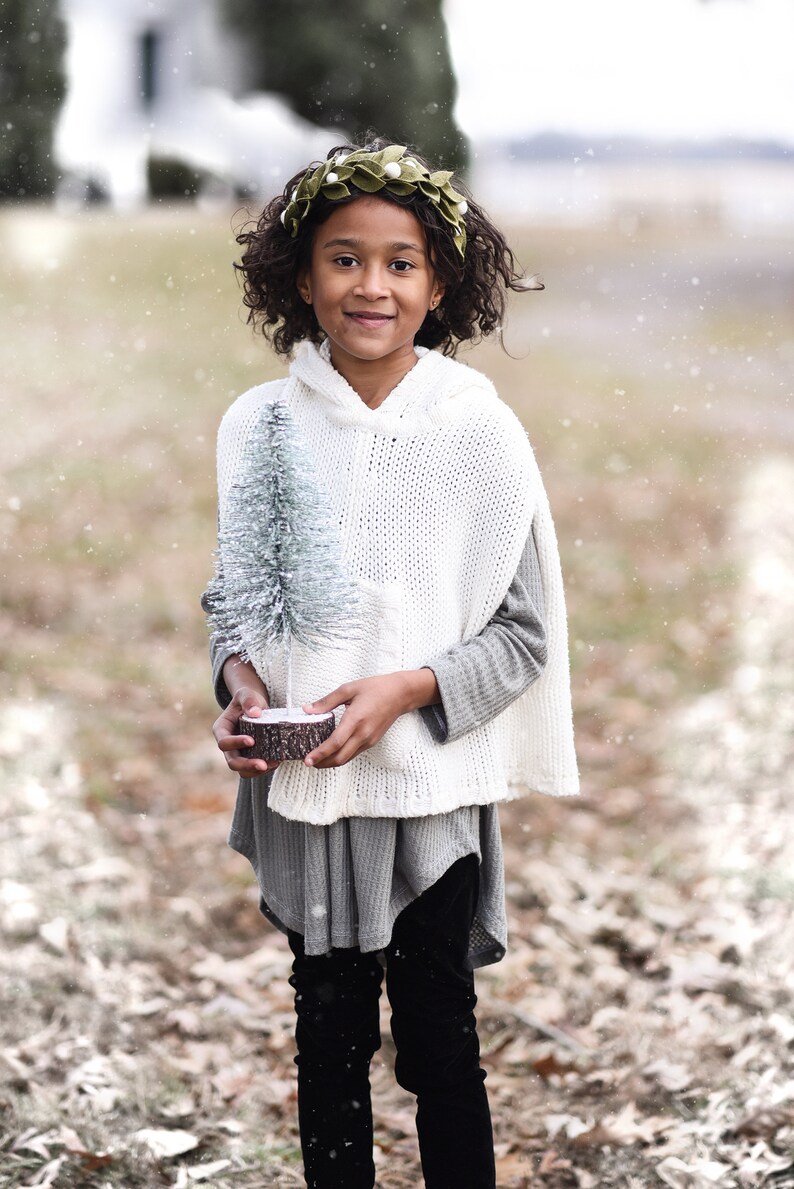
x,y
368,318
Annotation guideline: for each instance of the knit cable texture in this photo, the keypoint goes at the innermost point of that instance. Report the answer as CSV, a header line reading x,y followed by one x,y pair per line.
x,y
433,493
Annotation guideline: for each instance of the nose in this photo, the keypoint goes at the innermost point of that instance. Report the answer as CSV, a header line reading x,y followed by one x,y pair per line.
x,y
371,283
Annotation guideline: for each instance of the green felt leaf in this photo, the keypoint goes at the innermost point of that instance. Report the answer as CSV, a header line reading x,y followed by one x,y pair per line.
x,y
307,188
368,181
357,158
392,152
400,187
429,190
335,190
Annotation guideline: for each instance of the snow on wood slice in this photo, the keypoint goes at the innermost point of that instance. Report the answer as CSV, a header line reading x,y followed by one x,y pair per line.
x,y
281,734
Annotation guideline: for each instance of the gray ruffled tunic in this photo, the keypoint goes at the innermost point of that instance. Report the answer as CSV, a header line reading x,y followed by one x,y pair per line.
x,y
343,885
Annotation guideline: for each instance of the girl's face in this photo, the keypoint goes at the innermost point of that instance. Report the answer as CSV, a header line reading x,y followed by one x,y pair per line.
x,y
371,282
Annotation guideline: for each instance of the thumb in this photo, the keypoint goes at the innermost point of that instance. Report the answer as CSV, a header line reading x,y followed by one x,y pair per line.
x,y
251,702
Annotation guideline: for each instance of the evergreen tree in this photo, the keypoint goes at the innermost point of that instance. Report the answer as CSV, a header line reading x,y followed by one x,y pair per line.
x,y
31,89
280,576
365,65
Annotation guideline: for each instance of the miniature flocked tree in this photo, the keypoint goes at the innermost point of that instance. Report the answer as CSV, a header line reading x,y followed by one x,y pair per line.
x,y
280,577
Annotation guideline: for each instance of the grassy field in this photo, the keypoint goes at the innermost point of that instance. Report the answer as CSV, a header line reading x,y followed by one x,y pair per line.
x,y
653,374
126,344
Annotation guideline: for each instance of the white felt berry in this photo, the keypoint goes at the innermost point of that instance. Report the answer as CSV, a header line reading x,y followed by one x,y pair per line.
x,y
463,207
332,177
393,169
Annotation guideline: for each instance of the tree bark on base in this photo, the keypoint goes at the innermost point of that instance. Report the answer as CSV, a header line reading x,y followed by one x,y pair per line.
x,y
285,739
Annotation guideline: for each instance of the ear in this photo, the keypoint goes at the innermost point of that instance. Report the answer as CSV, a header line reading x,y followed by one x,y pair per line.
x,y
439,288
304,287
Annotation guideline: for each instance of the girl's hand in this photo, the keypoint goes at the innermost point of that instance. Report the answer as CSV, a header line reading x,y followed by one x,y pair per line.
x,y
250,701
373,704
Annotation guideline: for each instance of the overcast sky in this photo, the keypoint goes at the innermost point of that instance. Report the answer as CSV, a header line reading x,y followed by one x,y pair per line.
x,y
647,67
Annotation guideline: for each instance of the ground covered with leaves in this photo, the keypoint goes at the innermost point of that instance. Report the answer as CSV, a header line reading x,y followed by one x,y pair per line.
x,y
639,1030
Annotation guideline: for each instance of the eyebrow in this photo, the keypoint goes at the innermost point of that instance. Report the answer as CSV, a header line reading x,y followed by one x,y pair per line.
x,y
399,246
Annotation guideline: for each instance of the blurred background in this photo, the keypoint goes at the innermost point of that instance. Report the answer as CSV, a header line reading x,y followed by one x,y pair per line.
x,y
639,157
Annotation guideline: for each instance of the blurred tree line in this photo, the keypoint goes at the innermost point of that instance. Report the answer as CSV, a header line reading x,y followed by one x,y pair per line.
x,y
366,65
31,89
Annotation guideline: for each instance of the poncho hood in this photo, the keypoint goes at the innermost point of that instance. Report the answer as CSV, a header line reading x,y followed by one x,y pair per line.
x,y
426,398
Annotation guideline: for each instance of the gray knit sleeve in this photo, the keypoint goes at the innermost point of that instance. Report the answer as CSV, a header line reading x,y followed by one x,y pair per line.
x,y
479,678
218,658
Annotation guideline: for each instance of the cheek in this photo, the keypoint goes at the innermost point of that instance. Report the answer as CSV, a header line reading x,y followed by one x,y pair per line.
x,y
327,290
327,308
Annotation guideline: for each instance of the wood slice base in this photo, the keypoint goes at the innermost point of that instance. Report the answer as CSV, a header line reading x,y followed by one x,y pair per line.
x,y
284,734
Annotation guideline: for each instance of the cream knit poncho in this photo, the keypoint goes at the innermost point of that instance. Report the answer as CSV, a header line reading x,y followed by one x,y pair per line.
x,y
434,493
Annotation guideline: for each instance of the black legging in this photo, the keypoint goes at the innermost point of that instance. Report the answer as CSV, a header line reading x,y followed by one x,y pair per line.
x,y
431,992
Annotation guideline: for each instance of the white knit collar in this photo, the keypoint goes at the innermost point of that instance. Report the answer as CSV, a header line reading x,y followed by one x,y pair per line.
x,y
418,403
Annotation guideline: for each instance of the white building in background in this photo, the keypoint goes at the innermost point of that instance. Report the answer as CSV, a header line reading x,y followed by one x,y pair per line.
x,y
166,79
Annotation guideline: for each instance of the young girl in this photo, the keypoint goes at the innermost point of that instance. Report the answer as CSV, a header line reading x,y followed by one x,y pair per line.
x,y
382,849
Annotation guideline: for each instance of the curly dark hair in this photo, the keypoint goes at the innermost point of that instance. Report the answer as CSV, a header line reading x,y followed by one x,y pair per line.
x,y
475,287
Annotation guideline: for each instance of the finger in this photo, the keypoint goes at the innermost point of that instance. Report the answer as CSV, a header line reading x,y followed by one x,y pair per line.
x,y
232,747
250,768
331,745
226,724
337,697
342,755
248,765
234,742
338,749
252,704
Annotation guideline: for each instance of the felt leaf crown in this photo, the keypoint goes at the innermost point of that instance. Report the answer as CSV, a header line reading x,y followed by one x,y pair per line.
x,y
388,169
